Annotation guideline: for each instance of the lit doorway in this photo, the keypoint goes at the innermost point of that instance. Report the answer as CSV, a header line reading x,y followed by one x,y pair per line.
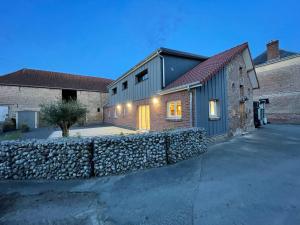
x,y
144,117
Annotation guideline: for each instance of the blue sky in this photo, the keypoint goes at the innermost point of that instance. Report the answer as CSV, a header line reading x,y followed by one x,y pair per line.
x,y
106,38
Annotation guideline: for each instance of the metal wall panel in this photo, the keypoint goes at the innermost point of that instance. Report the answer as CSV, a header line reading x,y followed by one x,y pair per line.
x,y
177,66
215,88
142,90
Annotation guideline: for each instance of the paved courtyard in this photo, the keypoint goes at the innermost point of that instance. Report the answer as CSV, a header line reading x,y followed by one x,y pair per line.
x,y
252,179
94,131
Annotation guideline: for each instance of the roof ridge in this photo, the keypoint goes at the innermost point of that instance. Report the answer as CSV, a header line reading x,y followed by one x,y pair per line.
x,y
240,45
48,72
41,78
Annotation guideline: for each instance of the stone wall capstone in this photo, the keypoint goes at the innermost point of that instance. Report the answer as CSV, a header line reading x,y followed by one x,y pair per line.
x,y
72,158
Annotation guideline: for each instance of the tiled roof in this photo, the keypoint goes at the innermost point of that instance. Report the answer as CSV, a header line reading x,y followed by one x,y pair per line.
x,y
40,78
263,58
205,70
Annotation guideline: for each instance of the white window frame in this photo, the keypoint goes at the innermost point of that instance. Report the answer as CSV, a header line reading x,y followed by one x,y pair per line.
x,y
216,106
176,116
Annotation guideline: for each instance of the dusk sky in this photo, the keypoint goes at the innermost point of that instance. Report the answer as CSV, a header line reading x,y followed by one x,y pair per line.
x,y
106,38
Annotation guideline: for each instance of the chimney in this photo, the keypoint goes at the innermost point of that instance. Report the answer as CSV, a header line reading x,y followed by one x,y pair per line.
x,y
273,50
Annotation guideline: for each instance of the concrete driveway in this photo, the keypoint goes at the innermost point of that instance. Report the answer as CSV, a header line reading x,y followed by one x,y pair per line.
x,y
94,131
253,179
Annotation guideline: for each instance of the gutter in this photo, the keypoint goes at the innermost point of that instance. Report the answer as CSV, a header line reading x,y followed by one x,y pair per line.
x,y
191,107
180,88
163,70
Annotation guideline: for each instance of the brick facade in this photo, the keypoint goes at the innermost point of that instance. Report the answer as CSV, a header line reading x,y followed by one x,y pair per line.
x,y
158,113
273,50
280,83
237,79
29,98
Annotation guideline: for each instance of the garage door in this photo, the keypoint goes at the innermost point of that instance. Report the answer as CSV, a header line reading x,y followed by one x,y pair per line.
x,y
27,117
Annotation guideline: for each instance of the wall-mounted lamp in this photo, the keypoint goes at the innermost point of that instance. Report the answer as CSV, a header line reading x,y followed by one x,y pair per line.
x,y
155,100
129,105
118,106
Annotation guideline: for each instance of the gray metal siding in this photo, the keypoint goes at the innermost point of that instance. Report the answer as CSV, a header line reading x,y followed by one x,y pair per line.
x,y
176,66
26,117
215,88
142,90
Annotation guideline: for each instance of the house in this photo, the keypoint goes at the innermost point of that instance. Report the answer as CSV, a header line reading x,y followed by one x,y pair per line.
x,y
22,92
174,89
278,72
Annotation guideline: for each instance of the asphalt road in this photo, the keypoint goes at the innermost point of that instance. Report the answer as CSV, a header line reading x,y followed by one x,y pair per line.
x,y
252,179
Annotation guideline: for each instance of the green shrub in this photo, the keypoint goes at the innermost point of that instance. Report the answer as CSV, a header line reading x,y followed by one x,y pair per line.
x,y
11,135
9,125
25,128
63,114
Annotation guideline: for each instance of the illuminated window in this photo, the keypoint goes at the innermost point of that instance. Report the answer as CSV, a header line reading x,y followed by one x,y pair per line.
x,y
174,110
214,109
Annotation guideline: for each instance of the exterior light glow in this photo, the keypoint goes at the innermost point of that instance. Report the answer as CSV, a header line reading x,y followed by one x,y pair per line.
x,y
119,107
129,104
155,100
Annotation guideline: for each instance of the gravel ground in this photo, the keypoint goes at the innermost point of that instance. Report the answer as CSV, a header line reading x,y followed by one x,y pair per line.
x,y
88,130
94,131
252,179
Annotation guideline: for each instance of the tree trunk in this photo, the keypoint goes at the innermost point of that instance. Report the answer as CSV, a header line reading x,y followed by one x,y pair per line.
x,y
65,131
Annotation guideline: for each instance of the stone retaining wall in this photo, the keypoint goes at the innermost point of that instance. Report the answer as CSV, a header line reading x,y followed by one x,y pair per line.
x,y
115,155
184,144
86,157
43,159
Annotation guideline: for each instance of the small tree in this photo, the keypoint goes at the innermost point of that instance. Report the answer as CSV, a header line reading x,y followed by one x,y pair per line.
x,y
63,114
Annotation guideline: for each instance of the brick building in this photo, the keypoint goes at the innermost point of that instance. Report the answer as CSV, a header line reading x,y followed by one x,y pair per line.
x,y
172,89
278,72
22,92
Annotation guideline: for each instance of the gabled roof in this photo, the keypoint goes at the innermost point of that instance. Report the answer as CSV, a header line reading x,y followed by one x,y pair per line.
x,y
205,70
262,58
160,51
48,79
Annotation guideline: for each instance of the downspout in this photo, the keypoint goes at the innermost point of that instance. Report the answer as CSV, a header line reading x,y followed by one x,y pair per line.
x,y
191,106
163,70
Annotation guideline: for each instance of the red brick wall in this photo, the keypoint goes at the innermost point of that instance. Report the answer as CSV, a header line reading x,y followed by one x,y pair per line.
x,y
158,113
280,83
273,50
